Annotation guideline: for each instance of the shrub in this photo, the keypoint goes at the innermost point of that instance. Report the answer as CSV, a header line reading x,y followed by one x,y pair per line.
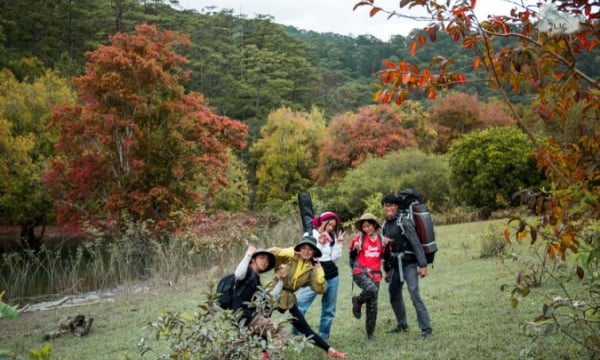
x,y
428,174
487,167
214,333
492,243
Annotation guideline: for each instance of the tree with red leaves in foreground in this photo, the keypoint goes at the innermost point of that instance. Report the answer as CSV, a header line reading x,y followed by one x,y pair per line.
x,y
540,52
137,143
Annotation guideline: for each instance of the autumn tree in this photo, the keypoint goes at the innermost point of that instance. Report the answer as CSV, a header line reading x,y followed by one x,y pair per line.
x,y
546,42
350,138
26,144
286,153
459,113
136,142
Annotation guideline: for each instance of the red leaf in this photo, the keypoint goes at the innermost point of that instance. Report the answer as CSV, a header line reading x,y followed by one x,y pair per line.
x,y
413,48
473,2
374,11
459,11
362,3
476,63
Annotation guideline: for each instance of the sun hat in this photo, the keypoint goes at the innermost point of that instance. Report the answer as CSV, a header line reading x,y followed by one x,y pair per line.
x,y
269,254
310,241
327,215
364,217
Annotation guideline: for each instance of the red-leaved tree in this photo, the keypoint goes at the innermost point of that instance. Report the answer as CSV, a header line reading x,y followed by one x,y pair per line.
x,y
350,138
541,50
136,143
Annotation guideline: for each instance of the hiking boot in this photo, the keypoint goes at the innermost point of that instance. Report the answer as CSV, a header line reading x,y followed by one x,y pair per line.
x,y
356,307
333,353
398,329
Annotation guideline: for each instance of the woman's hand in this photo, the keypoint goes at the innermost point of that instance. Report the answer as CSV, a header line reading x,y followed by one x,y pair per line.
x,y
340,235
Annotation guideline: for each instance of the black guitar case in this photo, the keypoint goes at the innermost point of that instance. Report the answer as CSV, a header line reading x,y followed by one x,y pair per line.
x,y
306,211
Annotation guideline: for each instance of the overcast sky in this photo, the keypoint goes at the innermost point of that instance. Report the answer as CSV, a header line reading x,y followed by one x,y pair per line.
x,y
335,16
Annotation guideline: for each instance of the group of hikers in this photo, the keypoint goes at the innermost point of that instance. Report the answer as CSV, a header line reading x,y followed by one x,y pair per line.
x,y
309,268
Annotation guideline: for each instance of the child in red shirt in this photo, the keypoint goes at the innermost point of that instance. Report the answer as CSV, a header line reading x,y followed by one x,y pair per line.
x,y
366,253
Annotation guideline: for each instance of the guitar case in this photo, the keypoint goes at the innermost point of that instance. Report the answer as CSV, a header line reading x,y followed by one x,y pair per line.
x,y
306,211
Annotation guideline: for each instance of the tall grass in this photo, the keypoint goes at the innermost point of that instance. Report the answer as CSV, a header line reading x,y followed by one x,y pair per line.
x,y
471,317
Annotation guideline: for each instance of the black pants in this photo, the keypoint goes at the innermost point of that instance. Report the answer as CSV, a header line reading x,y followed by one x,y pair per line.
x,y
300,323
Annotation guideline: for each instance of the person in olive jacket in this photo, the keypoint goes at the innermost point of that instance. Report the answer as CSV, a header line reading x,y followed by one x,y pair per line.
x,y
301,270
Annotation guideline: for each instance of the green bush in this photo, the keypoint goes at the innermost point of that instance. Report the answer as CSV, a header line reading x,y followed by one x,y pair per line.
x,y
487,167
428,174
214,333
492,242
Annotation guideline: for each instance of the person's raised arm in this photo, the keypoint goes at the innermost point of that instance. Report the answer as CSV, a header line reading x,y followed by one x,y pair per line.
x,y
242,268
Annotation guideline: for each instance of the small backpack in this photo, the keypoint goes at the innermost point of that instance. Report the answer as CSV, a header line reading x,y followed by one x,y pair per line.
x,y
413,208
225,291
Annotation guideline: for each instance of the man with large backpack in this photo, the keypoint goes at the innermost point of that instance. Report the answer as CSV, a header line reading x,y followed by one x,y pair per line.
x,y
404,262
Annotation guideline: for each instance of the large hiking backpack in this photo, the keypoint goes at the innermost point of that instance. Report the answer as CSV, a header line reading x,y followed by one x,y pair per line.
x,y
225,291
412,206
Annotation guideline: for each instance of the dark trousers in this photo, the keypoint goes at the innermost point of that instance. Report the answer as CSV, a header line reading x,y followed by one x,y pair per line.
x,y
302,326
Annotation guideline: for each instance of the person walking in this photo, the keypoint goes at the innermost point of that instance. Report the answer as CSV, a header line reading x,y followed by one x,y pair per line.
x,y
404,263
329,242
366,252
301,270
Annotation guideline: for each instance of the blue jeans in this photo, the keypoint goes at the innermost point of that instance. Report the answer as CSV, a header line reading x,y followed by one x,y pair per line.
x,y
305,297
411,277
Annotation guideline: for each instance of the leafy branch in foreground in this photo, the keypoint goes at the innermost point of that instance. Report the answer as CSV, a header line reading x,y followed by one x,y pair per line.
x,y
7,311
539,49
214,333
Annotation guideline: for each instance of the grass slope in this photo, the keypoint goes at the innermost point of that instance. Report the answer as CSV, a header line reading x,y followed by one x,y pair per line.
x,y
471,317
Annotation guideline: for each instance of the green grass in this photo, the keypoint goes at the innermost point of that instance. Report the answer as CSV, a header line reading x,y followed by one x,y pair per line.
x,y
471,317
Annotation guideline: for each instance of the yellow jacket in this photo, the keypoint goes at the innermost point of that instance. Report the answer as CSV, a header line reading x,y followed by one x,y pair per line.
x,y
300,273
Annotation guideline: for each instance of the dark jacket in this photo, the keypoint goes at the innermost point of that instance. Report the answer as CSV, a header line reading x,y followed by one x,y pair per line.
x,y
244,290
403,242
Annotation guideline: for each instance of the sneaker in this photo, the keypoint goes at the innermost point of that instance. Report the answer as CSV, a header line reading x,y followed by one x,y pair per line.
x,y
356,307
398,329
333,353
371,338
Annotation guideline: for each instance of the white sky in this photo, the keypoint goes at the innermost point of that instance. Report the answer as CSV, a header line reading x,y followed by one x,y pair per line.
x,y
337,16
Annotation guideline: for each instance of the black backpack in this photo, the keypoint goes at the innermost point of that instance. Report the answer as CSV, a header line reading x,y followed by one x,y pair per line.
x,y
225,291
412,207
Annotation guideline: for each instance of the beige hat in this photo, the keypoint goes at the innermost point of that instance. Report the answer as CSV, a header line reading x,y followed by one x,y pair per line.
x,y
365,217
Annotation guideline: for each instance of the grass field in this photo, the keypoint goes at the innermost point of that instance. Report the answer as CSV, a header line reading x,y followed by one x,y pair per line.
x,y
471,317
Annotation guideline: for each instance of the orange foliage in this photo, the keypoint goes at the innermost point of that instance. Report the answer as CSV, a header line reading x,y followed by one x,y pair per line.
x,y
137,142
459,113
350,138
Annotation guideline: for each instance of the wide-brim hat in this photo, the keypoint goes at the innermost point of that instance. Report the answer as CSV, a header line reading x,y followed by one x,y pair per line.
x,y
269,254
310,241
365,217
